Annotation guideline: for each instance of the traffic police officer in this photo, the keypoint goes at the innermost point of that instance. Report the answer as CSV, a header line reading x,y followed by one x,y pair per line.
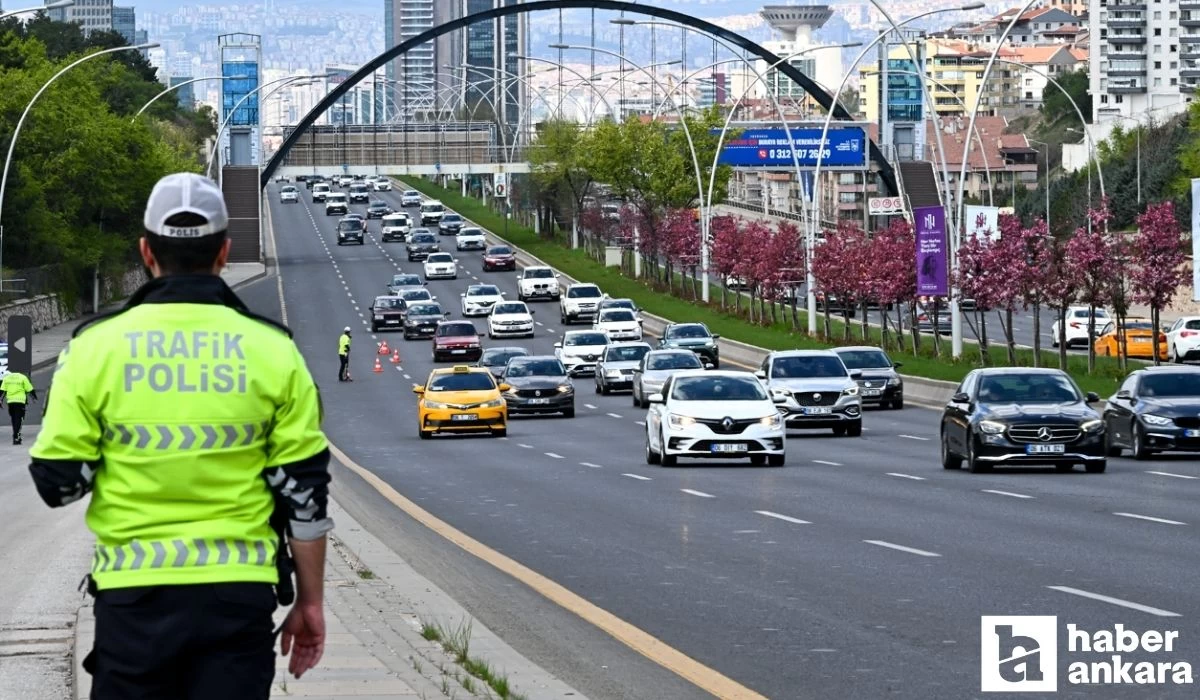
x,y
344,355
190,420
15,388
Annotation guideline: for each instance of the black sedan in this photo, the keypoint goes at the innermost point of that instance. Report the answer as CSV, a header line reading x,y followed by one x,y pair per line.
x,y
695,337
387,312
1156,409
880,384
1016,415
421,319
349,231
496,358
378,209
538,384
420,245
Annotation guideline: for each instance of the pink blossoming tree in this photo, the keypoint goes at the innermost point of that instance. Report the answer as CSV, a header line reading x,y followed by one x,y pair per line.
x,y
1158,259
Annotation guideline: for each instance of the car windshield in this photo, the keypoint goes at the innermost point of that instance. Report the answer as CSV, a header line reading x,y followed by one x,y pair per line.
x,y
499,250
675,360
511,308
583,292
619,304
416,294
349,225
1170,385
718,389
538,272
470,232
465,381
454,329
395,219
807,366
586,339
402,280
485,290
389,303
1027,388
424,238
498,357
320,187
691,331
336,197
547,367
287,188
617,316
1138,326
1083,313
411,193
425,310
626,353
451,218
432,207
441,258
378,205
865,359
357,187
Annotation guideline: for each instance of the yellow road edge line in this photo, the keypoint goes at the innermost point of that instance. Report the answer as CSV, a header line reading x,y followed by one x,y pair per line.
x,y
655,650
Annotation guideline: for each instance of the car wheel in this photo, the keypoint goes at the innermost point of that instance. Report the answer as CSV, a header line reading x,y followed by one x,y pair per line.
x,y
569,413
652,457
1178,359
1138,448
898,404
973,464
758,460
1096,467
1110,449
776,460
667,460
949,461
1054,341
425,434
501,432
855,429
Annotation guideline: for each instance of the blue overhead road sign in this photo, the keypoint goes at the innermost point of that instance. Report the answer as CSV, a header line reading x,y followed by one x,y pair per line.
x,y
845,147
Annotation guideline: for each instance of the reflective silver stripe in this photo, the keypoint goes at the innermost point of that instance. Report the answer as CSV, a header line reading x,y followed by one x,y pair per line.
x,y
160,555
139,555
135,556
119,558
222,552
161,438
260,551
249,428
181,553
189,437
102,554
202,549
243,553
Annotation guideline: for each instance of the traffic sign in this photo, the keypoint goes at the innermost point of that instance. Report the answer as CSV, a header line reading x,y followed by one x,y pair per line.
x,y
881,206
500,185
20,344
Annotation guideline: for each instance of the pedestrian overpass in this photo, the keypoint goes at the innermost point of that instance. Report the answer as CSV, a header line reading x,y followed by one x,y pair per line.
x,y
415,148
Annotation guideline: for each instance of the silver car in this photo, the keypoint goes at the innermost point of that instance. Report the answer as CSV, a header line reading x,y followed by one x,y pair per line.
x,y
615,370
817,390
654,369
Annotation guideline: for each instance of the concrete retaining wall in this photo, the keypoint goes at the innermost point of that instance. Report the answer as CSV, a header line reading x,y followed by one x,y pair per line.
x,y
46,310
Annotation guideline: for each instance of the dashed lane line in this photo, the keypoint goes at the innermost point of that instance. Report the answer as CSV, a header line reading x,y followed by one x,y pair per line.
x,y
1174,476
699,494
902,548
588,405
521,444
553,455
589,464
639,477
1150,518
914,437
1159,612
1009,494
615,415
898,475
784,518
827,463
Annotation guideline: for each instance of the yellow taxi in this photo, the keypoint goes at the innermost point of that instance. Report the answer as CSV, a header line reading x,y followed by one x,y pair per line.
x,y
461,399
1138,340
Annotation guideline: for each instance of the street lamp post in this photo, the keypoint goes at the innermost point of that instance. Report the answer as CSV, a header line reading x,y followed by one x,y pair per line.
x,y
1047,166
30,10
12,144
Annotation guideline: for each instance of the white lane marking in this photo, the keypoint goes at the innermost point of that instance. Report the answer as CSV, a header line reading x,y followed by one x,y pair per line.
x,y
521,444
1177,476
637,476
589,464
694,492
906,476
746,532
1010,494
827,463
615,415
902,548
553,455
1149,518
640,422
538,323
784,518
1114,601
914,437
588,405
549,330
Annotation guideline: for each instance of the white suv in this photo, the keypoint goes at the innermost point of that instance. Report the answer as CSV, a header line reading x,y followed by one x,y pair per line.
x,y
381,184
580,303
813,390
410,198
538,283
1183,340
1077,326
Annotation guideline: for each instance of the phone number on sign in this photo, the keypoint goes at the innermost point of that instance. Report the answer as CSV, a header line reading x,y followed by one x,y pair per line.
x,y
803,154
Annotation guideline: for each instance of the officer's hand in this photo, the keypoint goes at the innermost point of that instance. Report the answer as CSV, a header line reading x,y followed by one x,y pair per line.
x,y
303,629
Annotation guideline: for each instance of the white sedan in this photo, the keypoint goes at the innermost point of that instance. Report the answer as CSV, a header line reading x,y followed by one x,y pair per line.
x,y
619,324
1077,326
441,266
470,238
509,318
714,415
479,299
381,184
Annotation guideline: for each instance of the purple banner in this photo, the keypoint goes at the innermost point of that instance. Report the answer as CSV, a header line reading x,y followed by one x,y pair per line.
x,y
931,251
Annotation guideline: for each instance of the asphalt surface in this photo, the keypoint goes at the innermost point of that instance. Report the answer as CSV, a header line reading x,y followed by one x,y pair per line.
x,y
878,591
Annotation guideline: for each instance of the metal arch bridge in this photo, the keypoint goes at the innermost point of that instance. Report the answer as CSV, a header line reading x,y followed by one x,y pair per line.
x,y
277,161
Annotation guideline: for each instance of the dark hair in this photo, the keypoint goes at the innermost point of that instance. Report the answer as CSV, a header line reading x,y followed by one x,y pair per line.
x,y
183,256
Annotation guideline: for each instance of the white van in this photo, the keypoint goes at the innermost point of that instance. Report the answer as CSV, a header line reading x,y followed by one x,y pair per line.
x,y
431,211
320,191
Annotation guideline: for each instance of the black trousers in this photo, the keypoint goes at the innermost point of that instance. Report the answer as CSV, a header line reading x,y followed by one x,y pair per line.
x,y
16,412
197,642
344,367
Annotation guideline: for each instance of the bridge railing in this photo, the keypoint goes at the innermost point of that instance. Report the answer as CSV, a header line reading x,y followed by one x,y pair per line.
x,y
399,153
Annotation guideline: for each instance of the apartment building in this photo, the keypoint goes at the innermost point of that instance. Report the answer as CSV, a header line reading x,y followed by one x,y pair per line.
x,y
1144,57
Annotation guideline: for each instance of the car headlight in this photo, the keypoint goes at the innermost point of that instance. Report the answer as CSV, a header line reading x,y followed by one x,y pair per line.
x,y
378,317
850,391
1151,419
495,403
1092,426
565,388
435,405
991,427
678,421
895,381
775,420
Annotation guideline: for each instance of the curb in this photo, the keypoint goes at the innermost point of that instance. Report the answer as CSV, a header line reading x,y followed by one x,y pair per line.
x,y
930,393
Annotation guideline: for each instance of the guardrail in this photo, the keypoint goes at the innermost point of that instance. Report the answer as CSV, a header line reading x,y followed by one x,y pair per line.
x,y
917,390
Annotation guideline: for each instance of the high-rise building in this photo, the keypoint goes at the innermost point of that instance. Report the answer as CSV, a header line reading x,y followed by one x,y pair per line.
x,y
1144,60
92,15
124,22
419,75
187,93
492,63
241,58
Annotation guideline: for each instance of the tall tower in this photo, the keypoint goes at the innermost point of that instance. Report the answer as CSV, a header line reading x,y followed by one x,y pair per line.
x,y
241,56
796,22
794,26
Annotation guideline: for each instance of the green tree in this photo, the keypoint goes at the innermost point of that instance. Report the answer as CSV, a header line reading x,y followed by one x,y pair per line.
x,y
1055,104
560,167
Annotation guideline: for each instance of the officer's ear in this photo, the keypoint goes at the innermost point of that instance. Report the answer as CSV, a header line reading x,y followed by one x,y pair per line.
x,y
222,256
148,256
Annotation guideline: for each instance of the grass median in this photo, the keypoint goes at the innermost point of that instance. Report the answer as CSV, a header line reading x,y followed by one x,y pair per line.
x,y
777,336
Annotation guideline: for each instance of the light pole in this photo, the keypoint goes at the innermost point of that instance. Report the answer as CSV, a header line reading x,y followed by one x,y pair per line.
x,y
1047,166
569,69
176,87
30,10
12,144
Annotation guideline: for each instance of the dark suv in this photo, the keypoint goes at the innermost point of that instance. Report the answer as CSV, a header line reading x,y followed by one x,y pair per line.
x,y
450,224
420,245
695,337
350,231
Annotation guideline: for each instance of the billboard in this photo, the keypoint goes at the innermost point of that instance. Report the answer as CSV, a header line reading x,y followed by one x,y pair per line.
x,y
931,251
844,147
1195,239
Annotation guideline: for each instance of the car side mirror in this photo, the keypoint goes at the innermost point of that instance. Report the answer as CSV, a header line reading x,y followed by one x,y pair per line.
x,y
960,397
1092,397
433,297
856,374
716,336
532,312
779,398
897,365
760,374
464,294
418,389
446,314
709,365
1125,394
503,387
655,398
557,346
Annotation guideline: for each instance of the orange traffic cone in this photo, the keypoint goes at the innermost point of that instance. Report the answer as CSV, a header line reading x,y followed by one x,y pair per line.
x,y
378,366
383,348
395,357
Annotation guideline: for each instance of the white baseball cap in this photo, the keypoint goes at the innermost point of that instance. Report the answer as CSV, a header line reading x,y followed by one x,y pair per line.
x,y
346,329
186,193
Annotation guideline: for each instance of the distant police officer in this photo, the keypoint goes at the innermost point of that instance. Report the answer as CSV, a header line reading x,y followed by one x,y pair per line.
x,y
16,389
190,420
344,355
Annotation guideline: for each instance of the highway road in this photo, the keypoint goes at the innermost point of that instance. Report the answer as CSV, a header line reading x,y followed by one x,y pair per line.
x,y
858,570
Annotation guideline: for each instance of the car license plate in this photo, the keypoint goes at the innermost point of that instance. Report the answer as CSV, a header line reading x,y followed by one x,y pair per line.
x,y
392,322
539,402
730,447
817,410
1191,433
464,417
871,392
426,329
1045,449
458,352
